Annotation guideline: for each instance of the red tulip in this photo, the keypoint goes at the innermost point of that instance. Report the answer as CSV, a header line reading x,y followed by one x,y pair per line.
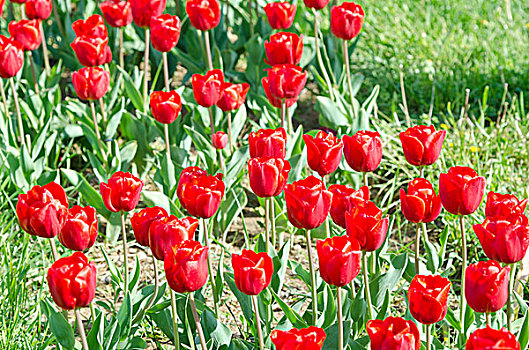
x,y
504,240
117,13
422,144
285,81
504,205
340,260
80,229
393,333
38,9
324,152
428,298
219,140
11,57
308,203
144,10
492,339
72,281
43,210
344,199
186,266
252,271
91,51
363,150
461,190
268,143
268,176
200,194
16,2
122,193
167,231
141,223
311,338
274,101
421,204
207,88
203,14
365,223
91,83
94,26
165,32
280,14
486,286
26,32
165,106
232,96
284,48
316,4
347,20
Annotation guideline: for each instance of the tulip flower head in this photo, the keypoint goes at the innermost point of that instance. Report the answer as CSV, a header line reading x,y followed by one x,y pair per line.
x,y
421,203
91,51
26,32
324,152
422,144
268,176
284,48
144,10
393,333
117,13
486,286
219,140
343,201
461,190
280,14
347,20
207,88
165,32
93,26
232,96
11,57
492,339
363,150
504,205
310,338
200,194
340,260
38,9
42,211
252,271
285,81
80,228
365,223
203,14
268,143
122,192
165,106
167,231
141,223
186,266
91,83
428,297
316,4
72,281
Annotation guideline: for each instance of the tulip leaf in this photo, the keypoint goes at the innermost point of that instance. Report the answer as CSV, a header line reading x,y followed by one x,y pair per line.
x,y
331,341
389,280
330,114
329,306
95,336
132,92
124,317
432,257
215,329
244,300
89,194
294,318
523,335
382,313
280,267
59,326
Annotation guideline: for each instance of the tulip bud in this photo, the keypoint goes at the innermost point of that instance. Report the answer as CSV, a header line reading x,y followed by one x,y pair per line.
x,y
26,32
316,4
165,106
486,286
144,10
203,14
422,144
122,193
308,203
268,143
324,152
310,338
38,9
492,339
219,140
252,271
268,176
340,260
284,48
280,14
461,190
200,194
363,150
11,57
365,223
164,233
347,20
504,205
421,204
72,281
80,228
186,266
343,201
93,26
141,223
42,211
428,297
232,96
117,13
285,81
91,83
165,32
207,88
393,333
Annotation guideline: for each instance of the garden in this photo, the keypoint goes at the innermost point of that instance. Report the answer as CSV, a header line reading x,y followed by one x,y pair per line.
x,y
258,174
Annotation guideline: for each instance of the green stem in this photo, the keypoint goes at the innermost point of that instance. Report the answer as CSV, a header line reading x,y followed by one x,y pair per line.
x,y
340,321
366,181
80,327
210,267
146,69
509,296
428,337
54,249
349,79
487,317
19,116
33,74
327,220
312,280
366,285
211,120
258,322
45,50
167,142
197,321
208,50
462,304
421,171
318,56
125,254
229,132
267,224
273,222
175,320
283,112
94,119
417,247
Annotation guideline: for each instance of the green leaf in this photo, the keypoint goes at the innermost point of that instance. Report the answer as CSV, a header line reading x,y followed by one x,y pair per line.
x,y
124,317
294,318
330,114
132,92
95,337
523,335
89,194
389,280
244,300
215,329
60,328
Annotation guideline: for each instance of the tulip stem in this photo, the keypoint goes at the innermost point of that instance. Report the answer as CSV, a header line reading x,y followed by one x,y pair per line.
x,y
121,53
155,293
208,50
509,305
125,254
421,171
273,222
327,222
283,112
428,338
175,317
167,144
80,327
312,280
165,71
366,284
487,318
267,224
349,79
258,322
54,249
318,55
417,247
94,119
146,68
45,50
366,181
251,19
463,272
19,116
4,99
197,321
103,112
92,312
229,132
211,120
222,163
210,267
33,75
340,321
